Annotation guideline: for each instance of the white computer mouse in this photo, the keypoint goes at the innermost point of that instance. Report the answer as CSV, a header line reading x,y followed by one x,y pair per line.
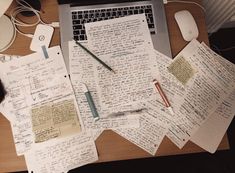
x,y
187,25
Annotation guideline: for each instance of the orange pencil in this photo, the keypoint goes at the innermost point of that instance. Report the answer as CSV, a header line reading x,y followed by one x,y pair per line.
x,y
163,95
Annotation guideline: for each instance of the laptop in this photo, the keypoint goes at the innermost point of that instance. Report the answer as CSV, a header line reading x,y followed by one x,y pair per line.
x,y
73,14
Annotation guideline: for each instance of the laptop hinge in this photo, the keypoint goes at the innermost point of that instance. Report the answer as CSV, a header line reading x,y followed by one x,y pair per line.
x,y
97,2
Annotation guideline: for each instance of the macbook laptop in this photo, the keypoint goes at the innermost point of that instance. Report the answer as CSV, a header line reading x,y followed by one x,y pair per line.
x,y
73,14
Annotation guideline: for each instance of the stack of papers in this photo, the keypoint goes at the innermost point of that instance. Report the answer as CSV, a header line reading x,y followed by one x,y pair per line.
x,y
43,112
202,101
52,122
125,44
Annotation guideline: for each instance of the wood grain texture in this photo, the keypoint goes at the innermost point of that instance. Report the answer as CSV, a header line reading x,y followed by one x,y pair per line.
x,y
110,145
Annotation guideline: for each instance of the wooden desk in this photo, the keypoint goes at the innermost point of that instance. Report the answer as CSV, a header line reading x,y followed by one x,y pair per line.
x,y
110,145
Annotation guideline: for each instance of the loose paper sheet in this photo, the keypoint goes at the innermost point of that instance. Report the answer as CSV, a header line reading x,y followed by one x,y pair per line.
x,y
205,91
156,118
149,136
62,155
212,131
36,85
125,45
54,119
6,58
81,71
171,87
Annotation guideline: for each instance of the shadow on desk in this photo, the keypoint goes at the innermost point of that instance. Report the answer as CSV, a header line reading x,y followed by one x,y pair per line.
x,y
220,162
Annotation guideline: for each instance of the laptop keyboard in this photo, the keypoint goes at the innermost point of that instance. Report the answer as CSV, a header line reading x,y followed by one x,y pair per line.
x,y
79,18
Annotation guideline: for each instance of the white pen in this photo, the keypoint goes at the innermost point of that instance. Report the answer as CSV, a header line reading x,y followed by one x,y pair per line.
x,y
90,102
163,95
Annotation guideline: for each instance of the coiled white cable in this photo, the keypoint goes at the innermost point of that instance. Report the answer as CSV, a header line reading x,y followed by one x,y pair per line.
x,y
23,7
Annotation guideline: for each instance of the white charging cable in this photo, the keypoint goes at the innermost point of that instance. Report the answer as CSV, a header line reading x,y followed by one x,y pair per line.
x,y
187,2
23,7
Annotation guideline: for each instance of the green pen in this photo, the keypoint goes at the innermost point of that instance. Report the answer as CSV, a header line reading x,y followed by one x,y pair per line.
x,y
91,103
95,57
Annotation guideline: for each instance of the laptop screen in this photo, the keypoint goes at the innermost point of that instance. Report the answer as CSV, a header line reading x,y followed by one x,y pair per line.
x,y
92,2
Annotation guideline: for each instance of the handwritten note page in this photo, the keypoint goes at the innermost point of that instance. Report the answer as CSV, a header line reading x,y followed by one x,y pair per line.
x,y
205,91
156,118
148,136
62,155
81,71
5,58
171,87
38,89
154,125
54,119
125,45
215,127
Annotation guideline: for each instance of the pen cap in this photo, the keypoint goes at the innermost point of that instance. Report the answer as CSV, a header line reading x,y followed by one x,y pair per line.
x,y
84,88
90,102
